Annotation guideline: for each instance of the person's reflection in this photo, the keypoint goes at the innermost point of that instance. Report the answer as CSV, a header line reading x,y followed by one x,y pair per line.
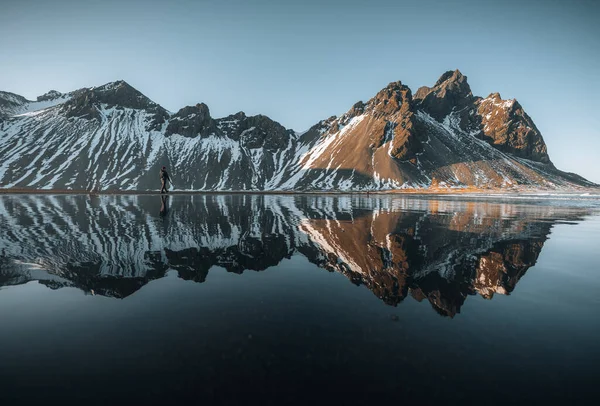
x,y
164,206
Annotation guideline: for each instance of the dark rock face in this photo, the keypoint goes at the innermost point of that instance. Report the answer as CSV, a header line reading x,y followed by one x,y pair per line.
x,y
83,105
395,105
113,94
506,126
86,103
11,99
251,132
262,132
9,103
502,123
122,94
450,93
192,121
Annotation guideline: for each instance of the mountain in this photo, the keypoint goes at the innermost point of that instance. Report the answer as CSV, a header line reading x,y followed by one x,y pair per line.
x,y
112,137
433,251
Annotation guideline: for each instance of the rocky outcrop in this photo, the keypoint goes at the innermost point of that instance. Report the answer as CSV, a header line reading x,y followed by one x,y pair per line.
x,y
251,132
87,103
502,123
506,126
51,95
261,132
394,104
10,103
450,93
8,99
192,121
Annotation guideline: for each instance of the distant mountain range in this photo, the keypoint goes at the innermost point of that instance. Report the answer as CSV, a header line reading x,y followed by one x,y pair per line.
x,y
437,251
113,137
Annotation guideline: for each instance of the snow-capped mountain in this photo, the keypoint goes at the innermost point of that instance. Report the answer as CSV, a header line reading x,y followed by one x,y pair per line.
x,y
113,137
434,250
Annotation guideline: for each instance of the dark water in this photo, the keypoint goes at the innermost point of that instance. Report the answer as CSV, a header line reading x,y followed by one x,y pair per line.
x,y
297,300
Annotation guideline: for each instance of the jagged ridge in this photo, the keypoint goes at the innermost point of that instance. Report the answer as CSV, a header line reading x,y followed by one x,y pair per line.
x,y
113,137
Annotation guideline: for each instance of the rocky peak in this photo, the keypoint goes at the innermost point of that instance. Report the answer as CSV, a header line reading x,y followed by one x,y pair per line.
x,y
122,94
51,95
114,86
113,94
357,109
261,131
392,99
392,107
10,99
240,115
86,103
502,123
422,92
200,109
450,92
9,103
450,76
192,121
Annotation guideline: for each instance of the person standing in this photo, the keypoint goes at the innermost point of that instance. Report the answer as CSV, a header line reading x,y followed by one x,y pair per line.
x,y
164,178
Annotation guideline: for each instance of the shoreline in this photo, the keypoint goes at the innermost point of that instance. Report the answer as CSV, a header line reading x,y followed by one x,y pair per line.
x,y
434,192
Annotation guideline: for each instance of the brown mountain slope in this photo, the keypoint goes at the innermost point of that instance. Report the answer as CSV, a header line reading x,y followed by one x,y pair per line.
x,y
442,137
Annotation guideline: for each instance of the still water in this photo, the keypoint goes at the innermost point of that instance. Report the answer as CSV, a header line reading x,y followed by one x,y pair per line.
x,y
298,299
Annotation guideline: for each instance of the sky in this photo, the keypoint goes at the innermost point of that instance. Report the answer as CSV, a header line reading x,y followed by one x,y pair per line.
x,y
302,61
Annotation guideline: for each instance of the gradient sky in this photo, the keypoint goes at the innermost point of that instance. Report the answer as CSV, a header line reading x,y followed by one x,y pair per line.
x,y
299,62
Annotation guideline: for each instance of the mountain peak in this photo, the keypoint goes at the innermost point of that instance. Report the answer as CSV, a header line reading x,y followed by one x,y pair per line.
x,y
455,82
202,107
391,99
10,103
50,95
452,75
451,91
199,109
395,87
12,98
113,85
191,121
87,103
118,93
120,88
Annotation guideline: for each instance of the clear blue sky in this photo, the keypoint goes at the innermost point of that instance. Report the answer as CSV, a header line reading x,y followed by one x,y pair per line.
x,y
299,62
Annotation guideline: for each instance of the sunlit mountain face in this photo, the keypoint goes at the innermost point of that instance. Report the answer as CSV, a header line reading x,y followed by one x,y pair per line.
x,y
434,251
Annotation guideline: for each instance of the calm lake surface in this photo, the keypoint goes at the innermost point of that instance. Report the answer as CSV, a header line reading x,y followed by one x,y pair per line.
x,y
298,299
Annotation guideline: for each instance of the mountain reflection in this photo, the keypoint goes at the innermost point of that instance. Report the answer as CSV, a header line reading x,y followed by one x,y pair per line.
x,y
439,251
